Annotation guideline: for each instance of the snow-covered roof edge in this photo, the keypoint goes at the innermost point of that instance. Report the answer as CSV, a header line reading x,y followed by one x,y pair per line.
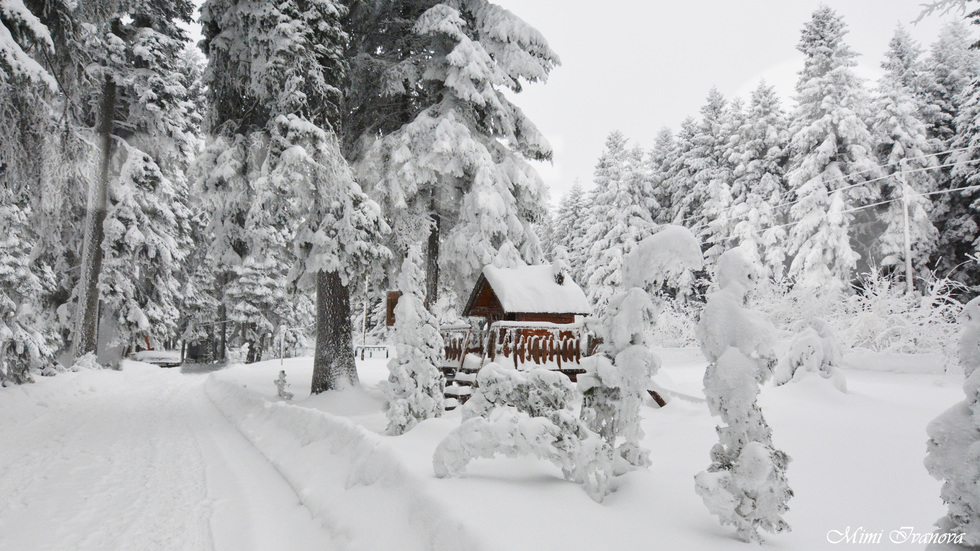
x,y
534,290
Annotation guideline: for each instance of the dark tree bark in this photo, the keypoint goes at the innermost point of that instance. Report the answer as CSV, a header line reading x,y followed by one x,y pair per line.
x,y
432,264
87,316
333,361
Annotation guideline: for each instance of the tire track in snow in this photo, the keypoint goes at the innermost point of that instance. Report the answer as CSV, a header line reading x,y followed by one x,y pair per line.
x,y
139,460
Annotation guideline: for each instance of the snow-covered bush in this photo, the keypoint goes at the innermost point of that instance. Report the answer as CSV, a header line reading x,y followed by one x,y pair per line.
x,y
86,361
815,350
281,385
516,413
746,483
415,386
676,322
880,316
954,440
616,378
883,318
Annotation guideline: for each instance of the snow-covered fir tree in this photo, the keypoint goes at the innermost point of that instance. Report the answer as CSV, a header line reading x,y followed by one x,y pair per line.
x,y
711,177
658,163
21,30
905,152
950,68
953,453
569,230
462,153
616,219
616,378
273,172
831,158
758,154
415,386
956,212
120,63
678,179
745,485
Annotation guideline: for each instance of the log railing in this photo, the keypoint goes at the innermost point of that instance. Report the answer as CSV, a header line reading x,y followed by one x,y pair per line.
x,y
530,344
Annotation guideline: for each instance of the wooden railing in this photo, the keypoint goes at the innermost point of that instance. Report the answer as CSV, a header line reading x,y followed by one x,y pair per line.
x,y
459,340
532,344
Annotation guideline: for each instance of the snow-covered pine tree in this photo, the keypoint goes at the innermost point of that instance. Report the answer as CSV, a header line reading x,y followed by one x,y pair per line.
x,y
678,179
746,483
946,99
569,229
905,152
617,376
415,386
462,154
758,153
658,163
953,450
20,32
957,212
275,74
831,158
950,68
23,345
131,53
711,177
25,89
616,220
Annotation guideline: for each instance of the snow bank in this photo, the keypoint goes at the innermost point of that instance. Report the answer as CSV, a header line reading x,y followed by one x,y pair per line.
x,y
342,473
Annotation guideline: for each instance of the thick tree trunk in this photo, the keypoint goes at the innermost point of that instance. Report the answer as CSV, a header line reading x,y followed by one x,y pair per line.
x,y
87,315
432,265
333,361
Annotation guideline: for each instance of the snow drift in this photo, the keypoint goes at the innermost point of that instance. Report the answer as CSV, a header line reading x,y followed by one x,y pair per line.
x,y
342,473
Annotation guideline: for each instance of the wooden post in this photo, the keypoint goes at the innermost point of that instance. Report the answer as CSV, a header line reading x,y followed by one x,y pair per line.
x,y
909,286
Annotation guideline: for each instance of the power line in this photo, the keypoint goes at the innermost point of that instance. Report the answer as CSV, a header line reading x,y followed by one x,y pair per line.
x,y
865,182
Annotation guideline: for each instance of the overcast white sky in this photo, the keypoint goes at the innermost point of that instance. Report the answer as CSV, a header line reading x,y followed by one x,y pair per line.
x,y
640,65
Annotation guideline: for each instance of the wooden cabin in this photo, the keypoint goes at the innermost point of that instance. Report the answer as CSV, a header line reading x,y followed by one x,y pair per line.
x,y
529,319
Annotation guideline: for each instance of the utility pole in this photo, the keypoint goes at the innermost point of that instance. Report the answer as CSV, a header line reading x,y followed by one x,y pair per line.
x,y
909,287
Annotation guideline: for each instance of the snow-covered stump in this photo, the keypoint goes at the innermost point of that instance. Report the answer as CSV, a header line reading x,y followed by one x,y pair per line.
x,y
745,485
415,387
815,350
519,413
617,377
953,450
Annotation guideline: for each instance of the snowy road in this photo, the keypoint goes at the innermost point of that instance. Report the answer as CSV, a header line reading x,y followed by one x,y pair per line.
x,y
138,460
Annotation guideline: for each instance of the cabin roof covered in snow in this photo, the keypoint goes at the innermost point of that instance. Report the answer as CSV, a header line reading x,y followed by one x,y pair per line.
x,y
530,289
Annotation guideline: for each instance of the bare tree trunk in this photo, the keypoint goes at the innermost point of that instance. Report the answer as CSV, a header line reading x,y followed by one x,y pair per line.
x,y
432,264
87,316
333,361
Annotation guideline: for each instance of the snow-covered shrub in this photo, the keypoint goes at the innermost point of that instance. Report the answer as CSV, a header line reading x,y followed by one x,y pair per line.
x,y
86,361
815,350
281,385
516,413
616,378
675,324
880,316
954,440
415,386
745,485
883,318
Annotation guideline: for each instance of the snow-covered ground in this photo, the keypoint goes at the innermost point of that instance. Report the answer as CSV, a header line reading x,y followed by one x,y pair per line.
x,y
150,458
